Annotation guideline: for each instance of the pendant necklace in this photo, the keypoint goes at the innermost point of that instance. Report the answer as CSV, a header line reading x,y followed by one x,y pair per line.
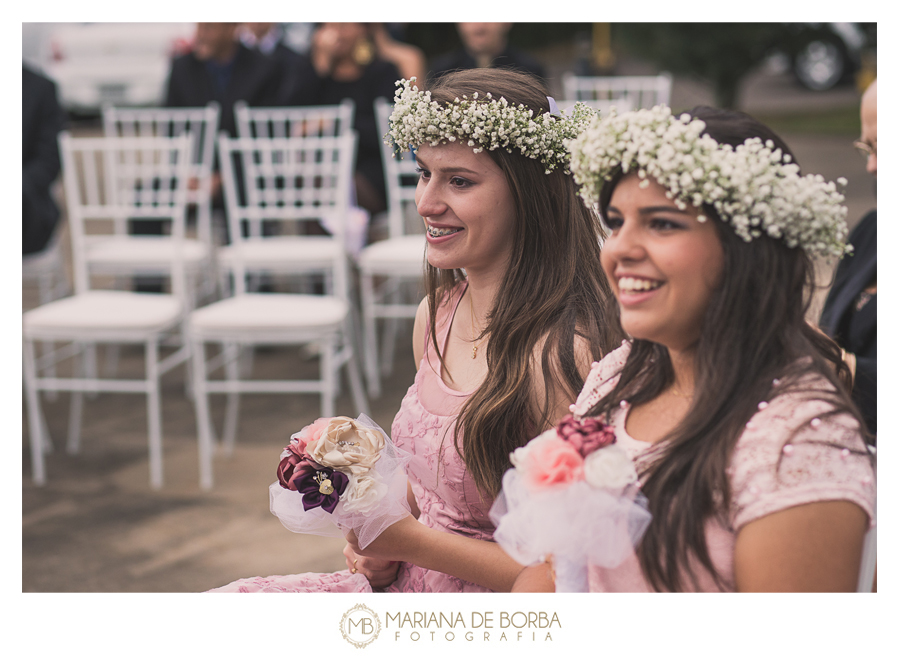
x,y
475,344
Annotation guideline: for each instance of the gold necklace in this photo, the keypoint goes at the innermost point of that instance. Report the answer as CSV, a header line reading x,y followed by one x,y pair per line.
x,y
678,394
475,344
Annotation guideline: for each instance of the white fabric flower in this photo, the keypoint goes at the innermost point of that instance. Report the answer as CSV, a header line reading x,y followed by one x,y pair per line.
x,y
363,493
609,468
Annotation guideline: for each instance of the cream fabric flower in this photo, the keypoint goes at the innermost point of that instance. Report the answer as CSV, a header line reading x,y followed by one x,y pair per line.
x,y
364,493
347,446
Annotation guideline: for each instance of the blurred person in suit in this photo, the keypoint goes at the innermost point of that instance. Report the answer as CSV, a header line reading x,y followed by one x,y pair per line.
x,y
850,312
296,75
220,68
485,45
42,120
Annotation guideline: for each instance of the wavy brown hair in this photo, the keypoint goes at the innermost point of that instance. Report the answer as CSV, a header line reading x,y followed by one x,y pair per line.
x,y
754,331
554,290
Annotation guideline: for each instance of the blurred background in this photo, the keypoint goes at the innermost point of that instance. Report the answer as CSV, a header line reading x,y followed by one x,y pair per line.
x,y
97,526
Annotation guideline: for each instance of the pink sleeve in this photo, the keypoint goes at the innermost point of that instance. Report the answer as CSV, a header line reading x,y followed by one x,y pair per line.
x,y
601,380
826,459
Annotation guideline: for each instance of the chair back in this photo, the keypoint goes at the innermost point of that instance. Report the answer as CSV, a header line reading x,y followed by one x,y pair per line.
x,y
287,180
400,175
282,122
110,180
201,123
623,104
644,91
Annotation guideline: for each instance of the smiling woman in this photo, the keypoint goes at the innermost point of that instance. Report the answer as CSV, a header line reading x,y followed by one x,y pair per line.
x,y
513,318
468,210
663,263
734,410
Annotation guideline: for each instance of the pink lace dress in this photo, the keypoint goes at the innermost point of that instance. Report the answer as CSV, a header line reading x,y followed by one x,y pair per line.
x,y
447,496
771,469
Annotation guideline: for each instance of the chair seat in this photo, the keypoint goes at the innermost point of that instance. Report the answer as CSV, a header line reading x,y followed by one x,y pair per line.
x,y
103,314
288,251
268,314
403,255
143,251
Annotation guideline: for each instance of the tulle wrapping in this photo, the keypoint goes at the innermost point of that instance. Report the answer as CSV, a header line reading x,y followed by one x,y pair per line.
x,y
577,524
393,506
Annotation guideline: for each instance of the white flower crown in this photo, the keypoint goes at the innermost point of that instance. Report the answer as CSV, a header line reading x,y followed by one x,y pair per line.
x,y
485,123
754,187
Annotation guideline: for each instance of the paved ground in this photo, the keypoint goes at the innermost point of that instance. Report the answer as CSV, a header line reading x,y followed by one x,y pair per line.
x,y
97,526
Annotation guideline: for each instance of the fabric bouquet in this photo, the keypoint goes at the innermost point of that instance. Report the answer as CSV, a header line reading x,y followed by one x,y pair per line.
x,y
573,496
340,474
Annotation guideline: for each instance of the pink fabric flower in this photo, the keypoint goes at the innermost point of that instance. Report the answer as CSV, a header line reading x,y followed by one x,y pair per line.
x,y
585,435
311,433
551,462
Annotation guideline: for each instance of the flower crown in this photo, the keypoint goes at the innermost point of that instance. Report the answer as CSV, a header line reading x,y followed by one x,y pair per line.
x,y
754,187
486,123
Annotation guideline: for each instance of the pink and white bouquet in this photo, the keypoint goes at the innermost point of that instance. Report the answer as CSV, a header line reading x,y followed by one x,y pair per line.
x,y
572,495
340,474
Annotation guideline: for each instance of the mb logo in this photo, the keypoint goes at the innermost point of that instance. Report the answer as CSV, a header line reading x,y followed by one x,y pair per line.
x,y
360,625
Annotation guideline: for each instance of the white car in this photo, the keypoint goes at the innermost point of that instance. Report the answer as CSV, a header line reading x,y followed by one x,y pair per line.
x,y
117,63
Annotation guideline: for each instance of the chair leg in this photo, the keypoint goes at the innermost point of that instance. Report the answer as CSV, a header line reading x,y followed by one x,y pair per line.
x,y
370,338
389,345
47,347
233,403
76,402
89,354
38,473
76,410
201,407
154,413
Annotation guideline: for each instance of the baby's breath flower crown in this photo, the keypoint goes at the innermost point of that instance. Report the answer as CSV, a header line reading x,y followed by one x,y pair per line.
x,y
483,123
754,187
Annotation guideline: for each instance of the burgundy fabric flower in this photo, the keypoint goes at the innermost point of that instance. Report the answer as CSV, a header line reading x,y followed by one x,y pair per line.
x,y
585,435
294,466
322,488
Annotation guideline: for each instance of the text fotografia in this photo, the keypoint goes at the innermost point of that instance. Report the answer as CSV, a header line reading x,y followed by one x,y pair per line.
x,y
477,626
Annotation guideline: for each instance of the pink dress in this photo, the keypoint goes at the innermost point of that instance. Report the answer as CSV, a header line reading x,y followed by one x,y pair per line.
x,y
809,471
447,496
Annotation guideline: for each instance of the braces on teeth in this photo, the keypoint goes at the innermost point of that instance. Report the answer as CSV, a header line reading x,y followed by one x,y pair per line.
x,y
438,232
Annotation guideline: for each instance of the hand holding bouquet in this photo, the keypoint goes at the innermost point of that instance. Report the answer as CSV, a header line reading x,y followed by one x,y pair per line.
x,y
573,494
337,475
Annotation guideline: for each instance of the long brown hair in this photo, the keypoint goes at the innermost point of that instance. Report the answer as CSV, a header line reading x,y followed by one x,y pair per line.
x,y
554,290
754,332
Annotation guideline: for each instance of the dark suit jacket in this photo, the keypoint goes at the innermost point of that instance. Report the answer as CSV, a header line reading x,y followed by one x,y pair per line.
x,y
255,78
42,119
509,58
378,80
854,328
